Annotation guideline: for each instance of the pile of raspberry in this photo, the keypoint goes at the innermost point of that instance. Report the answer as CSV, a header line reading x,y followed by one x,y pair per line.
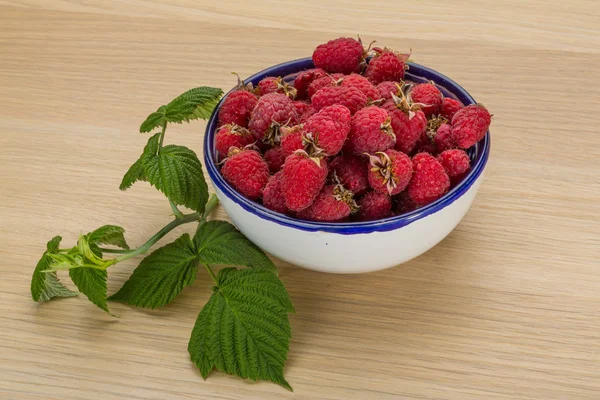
x,y
348,140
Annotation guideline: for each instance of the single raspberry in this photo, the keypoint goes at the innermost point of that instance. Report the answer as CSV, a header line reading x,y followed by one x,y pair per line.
x,y
324,81
387,88
326,131
450,107
273,196
390,171
370,132
334,203
247,172
352,172
403,204
305,78
408,121
344,55
291,139
238,105
373,206
386,65
302,180
272,111
428,96
469,125
275,157
275,84
362,84
443,138
456,163
339,113
301,107
429,181
307,114
350,97
232,135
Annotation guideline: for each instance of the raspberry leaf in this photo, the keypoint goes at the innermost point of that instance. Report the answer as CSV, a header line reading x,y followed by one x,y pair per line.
x,y
219,242
244,328
108,234
45,285
161,276
92,283
136,171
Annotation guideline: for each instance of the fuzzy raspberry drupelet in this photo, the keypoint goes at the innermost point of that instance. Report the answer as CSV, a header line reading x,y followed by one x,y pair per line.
x,y
305,78
362,84
429,96
275,157
373,206
386,65
301,107
469,125
456,163
408,121
429,182
307,114
344,55
291,139
272,84
272,111
443,138
236,107
302,180
273,196
247,172
387,88
350,97
352,172
232,135
334,203
450,107
370,132
324,81
390,171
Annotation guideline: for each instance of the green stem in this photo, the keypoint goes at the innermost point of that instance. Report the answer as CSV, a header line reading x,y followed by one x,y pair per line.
x,y
211,204
178,214
115,251
162,136
212,274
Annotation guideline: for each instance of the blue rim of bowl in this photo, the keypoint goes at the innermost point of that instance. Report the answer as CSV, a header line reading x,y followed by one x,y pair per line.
x,y
481,151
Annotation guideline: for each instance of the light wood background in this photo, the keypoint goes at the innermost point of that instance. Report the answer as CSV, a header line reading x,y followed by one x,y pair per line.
x,y
507,307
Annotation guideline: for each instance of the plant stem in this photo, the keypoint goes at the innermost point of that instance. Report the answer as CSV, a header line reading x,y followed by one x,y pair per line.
x,y
116,251
162,136
212,274
178,214
211,204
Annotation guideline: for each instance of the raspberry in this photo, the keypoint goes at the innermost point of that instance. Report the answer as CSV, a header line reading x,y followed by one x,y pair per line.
x,y
232,135
291,139
305,78
272,84
247,172
307,114
456,163
386,88
273,196
236,107
301,107
425,144
408,121
370,132
386,65
469,125
272,111
275,157
334,203
352,172
404,204
350,97
343,55
450,107
339,113
362,84
429,181
443,138
428,96
324,81
326,131
390,171
374,206
302,180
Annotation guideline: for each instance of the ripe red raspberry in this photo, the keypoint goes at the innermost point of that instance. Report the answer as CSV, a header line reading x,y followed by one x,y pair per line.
x,y
386,65
232,135
443,138
404,204
237,106
247,172
362,84
344,55
302,180
272,111
275,157
450,107
324,81
429,96
387,88
370,132
273,196
273,84
291,139
373,206
334,203
350,97
390,171
305,78
408,121
456,163
326,131
429,182
301,107
469,125
352,172
307,114
338,113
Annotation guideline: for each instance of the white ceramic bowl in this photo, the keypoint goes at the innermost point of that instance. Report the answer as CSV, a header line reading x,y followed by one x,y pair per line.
x,y
352,247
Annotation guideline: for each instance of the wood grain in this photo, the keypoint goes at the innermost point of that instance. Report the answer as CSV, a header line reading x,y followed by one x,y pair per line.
x,y
507,307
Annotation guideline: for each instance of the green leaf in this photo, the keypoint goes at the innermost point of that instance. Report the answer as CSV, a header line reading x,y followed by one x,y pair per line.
x,y
244,328
219,242
177,172
161,276
136,171
46,286
193,104
108,234
92,283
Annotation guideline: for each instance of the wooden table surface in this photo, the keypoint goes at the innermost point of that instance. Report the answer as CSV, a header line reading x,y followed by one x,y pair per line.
x,y
506,307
